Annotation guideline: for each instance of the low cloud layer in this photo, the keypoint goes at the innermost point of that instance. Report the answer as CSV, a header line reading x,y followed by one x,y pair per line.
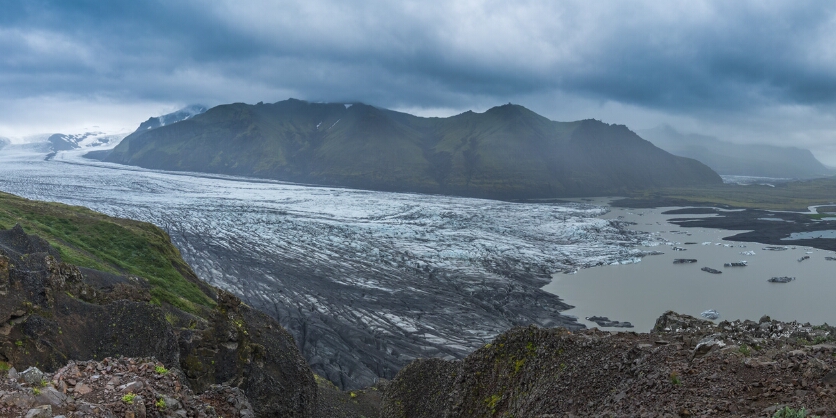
x,y
744,71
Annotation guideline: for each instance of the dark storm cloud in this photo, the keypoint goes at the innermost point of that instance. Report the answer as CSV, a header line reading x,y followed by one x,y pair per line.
x,y
704,58
733,55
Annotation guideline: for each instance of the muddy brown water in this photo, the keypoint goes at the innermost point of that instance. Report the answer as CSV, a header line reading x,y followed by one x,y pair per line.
x,y
641,292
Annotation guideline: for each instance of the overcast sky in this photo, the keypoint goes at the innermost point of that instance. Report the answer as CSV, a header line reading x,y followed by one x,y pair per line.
x,y
743,71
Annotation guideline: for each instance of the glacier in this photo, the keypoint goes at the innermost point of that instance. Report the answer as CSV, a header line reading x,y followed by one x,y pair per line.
x,y
365,281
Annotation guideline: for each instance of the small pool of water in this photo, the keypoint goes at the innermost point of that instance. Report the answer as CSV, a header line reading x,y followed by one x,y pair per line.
x,y
830,233
641,292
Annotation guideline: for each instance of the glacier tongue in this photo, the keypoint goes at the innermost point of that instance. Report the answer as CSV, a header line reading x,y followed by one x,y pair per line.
x,y
365,281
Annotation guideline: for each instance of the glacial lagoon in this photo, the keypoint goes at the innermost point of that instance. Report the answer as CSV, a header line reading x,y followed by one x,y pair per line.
x,y
640,292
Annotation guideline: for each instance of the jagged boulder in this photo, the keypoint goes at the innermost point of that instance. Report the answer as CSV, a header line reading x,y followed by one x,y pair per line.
x,y
671,321
43,411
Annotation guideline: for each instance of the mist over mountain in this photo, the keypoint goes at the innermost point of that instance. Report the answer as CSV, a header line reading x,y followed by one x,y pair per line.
x,y
173,117
505,152
62,142
4,142
737,159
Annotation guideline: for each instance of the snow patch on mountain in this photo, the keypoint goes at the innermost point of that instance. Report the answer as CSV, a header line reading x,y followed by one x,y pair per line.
x,y
65,142
173,117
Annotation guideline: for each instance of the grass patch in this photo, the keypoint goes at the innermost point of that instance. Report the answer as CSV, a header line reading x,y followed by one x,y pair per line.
x,y
492,401
675,379
121,246
519,365
787,412
794,196
820,340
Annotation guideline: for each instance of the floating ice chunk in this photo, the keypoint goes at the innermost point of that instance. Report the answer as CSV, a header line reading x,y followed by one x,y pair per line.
x,y
710,314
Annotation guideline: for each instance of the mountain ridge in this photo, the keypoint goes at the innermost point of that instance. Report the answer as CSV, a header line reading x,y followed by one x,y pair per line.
x,y
728,158
507,152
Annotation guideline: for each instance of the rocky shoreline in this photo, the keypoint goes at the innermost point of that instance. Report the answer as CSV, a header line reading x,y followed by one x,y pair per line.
x,y
765,227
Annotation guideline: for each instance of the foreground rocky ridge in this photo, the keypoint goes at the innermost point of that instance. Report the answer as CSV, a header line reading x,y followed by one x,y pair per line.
x,y
53,312
684,367
124,387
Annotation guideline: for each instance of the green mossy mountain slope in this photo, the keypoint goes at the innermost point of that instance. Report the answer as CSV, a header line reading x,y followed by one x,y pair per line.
x,y
80,285
507,152
120,246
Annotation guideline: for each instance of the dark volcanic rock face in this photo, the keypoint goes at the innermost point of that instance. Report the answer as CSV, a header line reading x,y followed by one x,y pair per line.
x,y
238,345
686,367
52,312
435,377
